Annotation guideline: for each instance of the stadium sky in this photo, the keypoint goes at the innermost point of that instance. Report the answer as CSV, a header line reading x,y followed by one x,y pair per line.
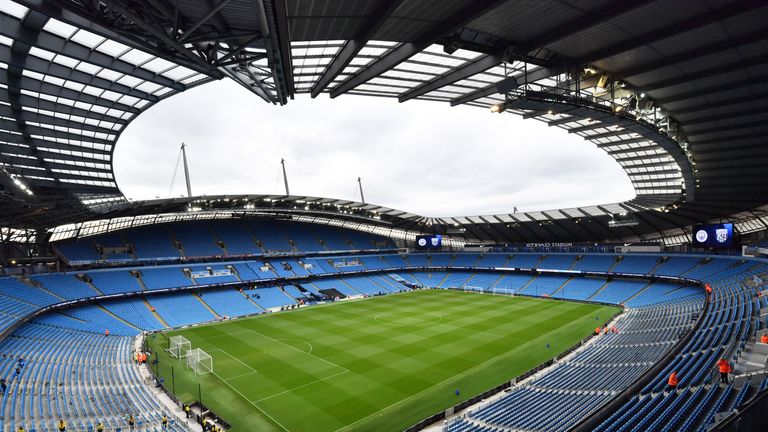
x,y
422,157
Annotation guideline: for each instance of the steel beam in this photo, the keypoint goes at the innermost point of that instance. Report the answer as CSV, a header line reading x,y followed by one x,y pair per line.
x,y
727,128
706,73
532,76
729,86
692,54
352,47
474,67
398,55
12,28
714,15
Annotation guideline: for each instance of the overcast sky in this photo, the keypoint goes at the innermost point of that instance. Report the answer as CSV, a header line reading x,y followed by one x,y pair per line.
x,y
422,157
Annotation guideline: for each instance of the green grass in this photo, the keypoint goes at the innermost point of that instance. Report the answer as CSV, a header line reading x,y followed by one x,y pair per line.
x,y
380,364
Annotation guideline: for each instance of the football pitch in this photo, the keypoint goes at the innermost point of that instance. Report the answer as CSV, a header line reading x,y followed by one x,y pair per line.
x,y
379,364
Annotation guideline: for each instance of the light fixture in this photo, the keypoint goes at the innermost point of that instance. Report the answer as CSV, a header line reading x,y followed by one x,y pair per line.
x,y
550,112
499,107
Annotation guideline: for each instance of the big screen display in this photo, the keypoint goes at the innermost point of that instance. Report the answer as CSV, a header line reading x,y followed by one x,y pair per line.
x,y
713,236
429,241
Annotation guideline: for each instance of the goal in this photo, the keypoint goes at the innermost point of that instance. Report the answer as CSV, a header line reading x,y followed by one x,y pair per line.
x,y
503,292
179,346
199,361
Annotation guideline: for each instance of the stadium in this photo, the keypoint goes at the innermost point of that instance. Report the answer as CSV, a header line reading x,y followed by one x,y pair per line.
x,y
281,312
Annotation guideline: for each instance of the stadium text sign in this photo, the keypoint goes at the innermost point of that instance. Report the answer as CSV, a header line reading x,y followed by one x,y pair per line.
x,y
548,245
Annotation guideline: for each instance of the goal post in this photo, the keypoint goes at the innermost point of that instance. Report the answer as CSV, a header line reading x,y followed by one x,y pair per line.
x,y
200,361
179,346
503,292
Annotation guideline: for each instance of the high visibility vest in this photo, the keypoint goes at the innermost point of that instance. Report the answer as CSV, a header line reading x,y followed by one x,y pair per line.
x,y
723,366
764,338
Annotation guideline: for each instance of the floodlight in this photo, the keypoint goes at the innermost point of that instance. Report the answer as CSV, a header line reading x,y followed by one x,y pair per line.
x,y
499,107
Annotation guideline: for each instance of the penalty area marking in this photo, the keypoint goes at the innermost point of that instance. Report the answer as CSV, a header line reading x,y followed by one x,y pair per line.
x,y
295,349
299,340
237,359
239,376
252,403
301,386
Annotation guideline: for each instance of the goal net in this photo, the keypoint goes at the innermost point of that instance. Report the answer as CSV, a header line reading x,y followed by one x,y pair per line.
x,y
179,346
199,361
503,291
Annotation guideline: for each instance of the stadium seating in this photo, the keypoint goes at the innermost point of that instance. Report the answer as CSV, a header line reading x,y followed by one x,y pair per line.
x,y
557,261
82,250
134,311
181,309
152,242
80,376
230,302
164,277
196,239
114,282
218,238
66,286
635,264
236,238
658,314
580,288
271,297
599,263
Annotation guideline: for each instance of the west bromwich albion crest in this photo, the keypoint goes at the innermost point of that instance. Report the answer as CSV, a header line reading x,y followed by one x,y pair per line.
x,y
721,234
435,241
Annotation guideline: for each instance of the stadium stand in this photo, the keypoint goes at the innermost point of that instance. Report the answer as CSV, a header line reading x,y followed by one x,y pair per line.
x,y
135,312
66,286
657,314
272,297
76,251
205,239
237,240
635,264
599,263
196,239
152,242
114,282
673,91
164,277
180,309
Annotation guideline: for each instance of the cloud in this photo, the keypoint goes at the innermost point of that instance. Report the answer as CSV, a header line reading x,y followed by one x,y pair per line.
x,y
421,157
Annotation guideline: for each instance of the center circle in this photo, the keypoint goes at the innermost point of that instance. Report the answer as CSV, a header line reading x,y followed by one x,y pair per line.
x,y
408,320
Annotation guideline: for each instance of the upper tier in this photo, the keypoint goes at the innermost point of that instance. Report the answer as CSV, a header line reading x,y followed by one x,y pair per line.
x,y
232,238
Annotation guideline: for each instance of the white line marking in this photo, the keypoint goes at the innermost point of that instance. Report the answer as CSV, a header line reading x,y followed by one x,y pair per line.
x,y
419,324
381,411
301,386
252,403
296,349
299,340
241,375
231,356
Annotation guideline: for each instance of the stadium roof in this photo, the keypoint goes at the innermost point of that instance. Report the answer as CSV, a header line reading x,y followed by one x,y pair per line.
x,y
673,91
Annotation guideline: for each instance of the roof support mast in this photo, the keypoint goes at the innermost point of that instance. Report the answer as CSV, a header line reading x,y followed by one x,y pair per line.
x,y
360,185
186,169
285,177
